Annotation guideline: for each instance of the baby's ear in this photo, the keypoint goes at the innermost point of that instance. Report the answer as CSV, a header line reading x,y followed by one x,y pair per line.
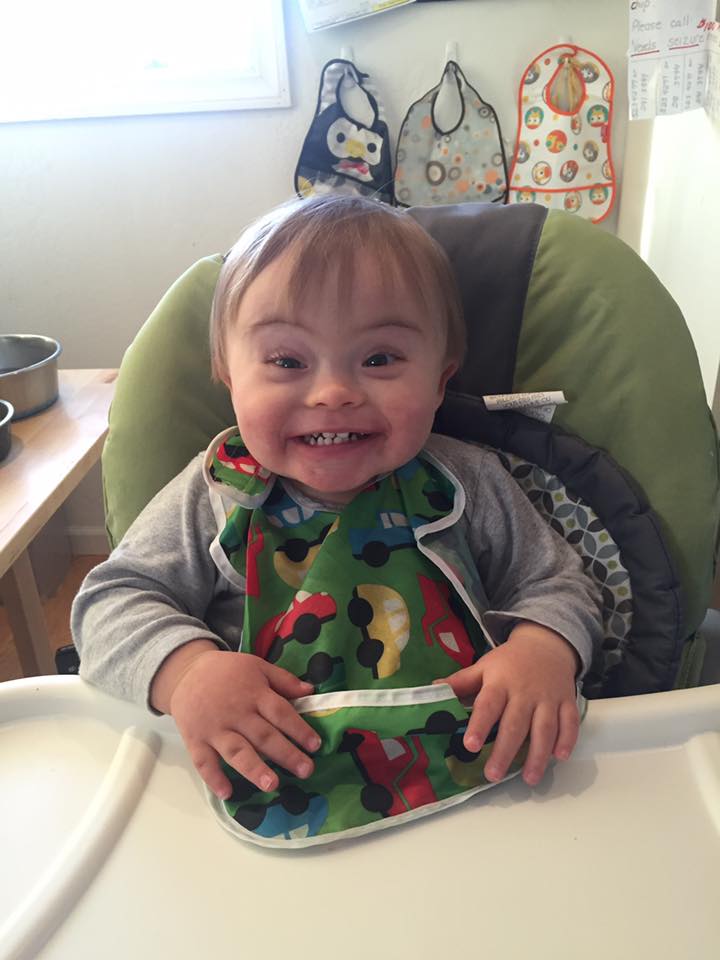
x,y
444,377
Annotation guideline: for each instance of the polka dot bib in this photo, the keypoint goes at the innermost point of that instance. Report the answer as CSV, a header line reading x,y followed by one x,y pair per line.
x,y
464,163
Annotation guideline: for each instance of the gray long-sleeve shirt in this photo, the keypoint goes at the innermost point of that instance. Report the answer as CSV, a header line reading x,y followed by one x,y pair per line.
x,y
160,588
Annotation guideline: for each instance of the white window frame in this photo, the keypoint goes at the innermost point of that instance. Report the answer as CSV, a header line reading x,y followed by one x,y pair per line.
x,y
264,86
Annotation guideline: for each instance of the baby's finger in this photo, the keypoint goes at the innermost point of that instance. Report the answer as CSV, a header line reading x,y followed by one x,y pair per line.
x,y
464,682
487,710
514,727
284,682
543,734
240,754
207,764
283,716
569,729
269,742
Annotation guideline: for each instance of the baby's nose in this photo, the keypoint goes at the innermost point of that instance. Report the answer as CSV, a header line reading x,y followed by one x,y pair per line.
x,y
333,391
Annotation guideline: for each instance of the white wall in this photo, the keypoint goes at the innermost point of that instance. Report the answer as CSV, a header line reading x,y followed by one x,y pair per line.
x,y
674,224
98,217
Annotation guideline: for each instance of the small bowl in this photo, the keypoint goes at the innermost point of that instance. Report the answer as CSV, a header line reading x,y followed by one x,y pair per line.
x,y
28,372
6,415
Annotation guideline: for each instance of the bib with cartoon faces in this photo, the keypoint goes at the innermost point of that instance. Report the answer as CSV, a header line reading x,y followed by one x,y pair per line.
x,y
353,603
562,153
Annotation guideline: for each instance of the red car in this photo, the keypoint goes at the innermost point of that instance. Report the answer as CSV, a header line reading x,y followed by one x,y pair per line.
x,y
442,625
394,770
237,457
302,621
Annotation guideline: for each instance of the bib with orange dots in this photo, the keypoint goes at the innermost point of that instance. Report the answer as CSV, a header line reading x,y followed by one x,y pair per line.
x,y
562,156
347,148
464,162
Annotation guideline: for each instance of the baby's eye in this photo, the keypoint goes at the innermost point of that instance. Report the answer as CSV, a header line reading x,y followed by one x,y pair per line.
x,y
287,363
380,360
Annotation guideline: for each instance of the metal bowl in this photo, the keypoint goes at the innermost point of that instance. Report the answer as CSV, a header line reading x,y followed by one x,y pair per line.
x,y
6,415
28,372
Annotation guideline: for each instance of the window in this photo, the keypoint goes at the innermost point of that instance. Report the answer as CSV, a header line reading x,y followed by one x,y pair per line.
x,y
93,58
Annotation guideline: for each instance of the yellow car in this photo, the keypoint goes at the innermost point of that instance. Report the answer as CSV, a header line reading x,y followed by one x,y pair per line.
x,y
382,617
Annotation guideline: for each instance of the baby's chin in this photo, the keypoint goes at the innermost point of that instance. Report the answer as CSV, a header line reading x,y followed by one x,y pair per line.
x,y
327,494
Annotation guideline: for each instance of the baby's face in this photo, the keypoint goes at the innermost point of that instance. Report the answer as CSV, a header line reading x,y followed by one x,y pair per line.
x,y
367,368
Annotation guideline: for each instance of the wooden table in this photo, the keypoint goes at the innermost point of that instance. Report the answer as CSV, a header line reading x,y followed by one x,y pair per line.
x,y
51,452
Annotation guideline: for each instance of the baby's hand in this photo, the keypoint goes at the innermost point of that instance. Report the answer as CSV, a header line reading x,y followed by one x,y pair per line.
x,y
528,684
235,706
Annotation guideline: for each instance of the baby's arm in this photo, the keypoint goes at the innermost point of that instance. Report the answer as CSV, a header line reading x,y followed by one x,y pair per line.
x,y
547,612
140,622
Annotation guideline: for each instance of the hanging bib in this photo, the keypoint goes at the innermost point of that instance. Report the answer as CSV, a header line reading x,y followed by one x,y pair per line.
x,y
562,156
464,161
347,148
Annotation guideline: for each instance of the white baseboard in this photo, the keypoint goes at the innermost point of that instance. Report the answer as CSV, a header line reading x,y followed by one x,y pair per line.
x,y
88,541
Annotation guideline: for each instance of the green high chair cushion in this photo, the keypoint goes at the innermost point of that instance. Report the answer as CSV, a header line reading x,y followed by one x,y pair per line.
x,y
631,374
593,321
163,390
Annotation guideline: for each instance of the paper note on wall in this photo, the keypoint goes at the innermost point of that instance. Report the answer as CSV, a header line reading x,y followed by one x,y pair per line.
x,y
319,14
712,96
667,56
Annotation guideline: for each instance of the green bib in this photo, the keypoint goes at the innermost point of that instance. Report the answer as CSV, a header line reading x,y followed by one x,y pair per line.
x,y
356,604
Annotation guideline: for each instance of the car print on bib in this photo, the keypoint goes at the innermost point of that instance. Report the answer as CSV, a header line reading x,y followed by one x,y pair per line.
x,y
302,621
382,617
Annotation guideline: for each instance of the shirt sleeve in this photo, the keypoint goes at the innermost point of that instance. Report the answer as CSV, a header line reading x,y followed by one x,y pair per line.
x,y
528,571
153,594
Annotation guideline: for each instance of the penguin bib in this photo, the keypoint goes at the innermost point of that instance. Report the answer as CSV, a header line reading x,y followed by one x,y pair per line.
x,y
347,147
562,153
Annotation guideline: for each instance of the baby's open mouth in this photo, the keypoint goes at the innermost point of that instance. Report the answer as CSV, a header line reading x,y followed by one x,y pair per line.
x,y
326,438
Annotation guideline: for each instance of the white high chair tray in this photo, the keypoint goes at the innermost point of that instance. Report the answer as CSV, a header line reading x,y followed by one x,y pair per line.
x,y
109,849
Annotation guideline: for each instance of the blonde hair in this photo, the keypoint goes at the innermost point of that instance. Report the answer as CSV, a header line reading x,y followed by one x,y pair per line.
x,y
326,233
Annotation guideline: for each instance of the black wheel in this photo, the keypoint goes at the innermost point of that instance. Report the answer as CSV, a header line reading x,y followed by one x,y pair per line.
x,y
442,721
250,817
319,668
242,790
307,628
438,500
457,749
295,549
369,652
360,612
375,553
376,798
275,651
350,742
293,799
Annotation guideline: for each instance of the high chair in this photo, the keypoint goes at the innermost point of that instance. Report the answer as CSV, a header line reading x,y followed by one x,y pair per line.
x,y
111,847
627,471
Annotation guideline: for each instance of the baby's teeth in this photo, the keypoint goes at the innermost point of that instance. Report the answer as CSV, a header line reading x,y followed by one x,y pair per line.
x,y
327,437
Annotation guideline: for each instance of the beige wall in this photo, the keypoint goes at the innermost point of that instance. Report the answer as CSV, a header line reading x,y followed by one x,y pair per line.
x,y
98,217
